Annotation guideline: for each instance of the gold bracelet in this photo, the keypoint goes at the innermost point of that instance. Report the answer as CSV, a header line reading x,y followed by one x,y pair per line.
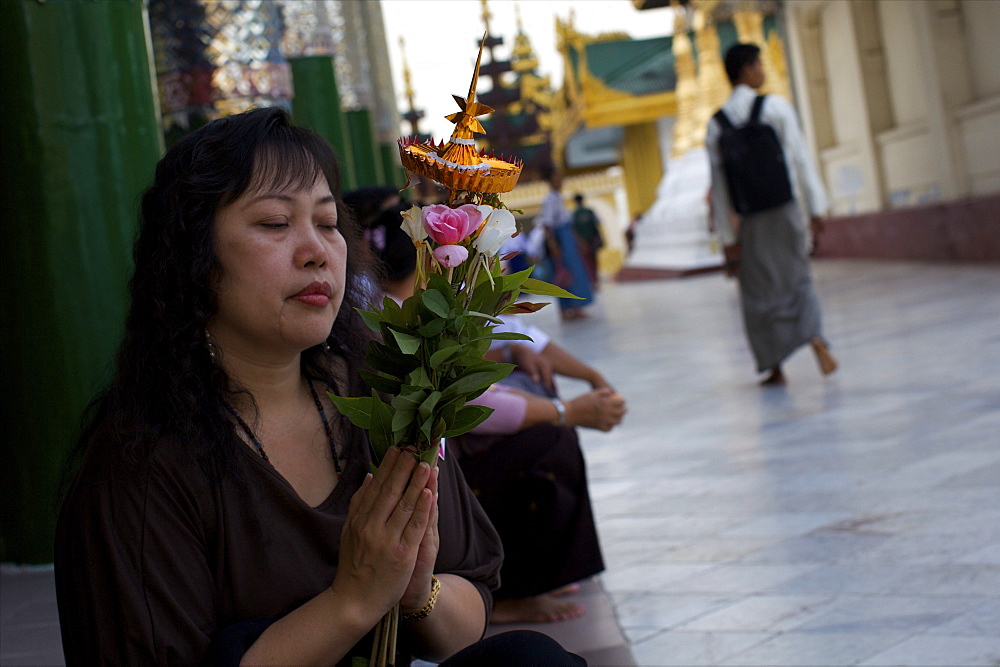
x,y
425,611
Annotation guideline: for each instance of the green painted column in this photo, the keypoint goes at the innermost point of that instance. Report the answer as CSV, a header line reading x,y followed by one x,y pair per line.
x,y
317,106
367,157
392,168
80,141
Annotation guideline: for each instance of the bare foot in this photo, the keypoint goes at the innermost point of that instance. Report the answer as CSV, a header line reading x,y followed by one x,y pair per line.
x,y
827,364
776,377
568,589
543,608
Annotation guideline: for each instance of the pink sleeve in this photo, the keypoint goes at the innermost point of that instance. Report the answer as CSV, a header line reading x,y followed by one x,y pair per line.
x,y
509,408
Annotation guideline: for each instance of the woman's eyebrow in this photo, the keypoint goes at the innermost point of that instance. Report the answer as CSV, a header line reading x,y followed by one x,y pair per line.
x,y
269,195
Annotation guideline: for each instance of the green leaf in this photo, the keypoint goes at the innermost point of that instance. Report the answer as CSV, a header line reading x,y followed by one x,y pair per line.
x,y
356,409
475,383
408,343
425,428
513,282
485,316
432,328
391,312
402,420
546,289
436,302
504,335
409,400
371,318
427,407
438,282
418,378
484,297
467,418
389,361
444,354
380,382
380,430
410,313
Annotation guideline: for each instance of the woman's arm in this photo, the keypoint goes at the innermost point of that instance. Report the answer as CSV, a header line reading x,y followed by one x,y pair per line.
x,y
601,409
457,620
557,360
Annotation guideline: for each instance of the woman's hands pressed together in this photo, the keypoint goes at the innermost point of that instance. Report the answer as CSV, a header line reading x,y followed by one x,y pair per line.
x,y
390,539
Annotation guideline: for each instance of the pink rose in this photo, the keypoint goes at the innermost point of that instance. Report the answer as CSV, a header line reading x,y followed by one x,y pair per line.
x,y
448,226
450,256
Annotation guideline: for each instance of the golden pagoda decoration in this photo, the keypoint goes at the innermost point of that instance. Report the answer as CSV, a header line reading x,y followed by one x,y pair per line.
x,y
713,84
686,129
457,164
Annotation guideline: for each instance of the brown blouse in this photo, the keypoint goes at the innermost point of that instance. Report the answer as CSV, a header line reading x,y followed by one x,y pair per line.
x,y
153,560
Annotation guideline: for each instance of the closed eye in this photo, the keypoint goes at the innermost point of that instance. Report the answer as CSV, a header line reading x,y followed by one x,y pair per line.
x,y
273,222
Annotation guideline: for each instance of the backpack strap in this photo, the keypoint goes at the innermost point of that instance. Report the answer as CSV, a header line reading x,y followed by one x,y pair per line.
x,y
758,104
723,120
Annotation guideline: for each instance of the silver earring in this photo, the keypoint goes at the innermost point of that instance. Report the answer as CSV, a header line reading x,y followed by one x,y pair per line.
x,y
209,345
326,346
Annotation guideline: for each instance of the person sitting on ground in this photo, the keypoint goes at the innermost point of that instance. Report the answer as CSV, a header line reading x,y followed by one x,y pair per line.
x,y
524,462
222,511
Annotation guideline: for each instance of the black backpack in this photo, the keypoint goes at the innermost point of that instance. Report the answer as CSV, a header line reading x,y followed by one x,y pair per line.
x,y
754,163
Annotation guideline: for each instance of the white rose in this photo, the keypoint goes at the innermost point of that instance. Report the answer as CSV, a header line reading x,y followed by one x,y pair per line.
x,y
499,227
413,224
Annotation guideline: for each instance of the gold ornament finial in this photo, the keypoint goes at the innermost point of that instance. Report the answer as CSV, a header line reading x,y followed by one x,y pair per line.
x,y
457,164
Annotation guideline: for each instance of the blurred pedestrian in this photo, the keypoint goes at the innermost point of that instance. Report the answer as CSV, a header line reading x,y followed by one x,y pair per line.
x,y
588,232
761,168
569,271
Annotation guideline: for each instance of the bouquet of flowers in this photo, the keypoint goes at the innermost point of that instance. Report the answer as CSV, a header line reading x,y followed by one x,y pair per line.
x,y
429,361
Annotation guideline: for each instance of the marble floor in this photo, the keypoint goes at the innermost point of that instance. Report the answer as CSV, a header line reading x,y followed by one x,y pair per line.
x,y
839,520
852,519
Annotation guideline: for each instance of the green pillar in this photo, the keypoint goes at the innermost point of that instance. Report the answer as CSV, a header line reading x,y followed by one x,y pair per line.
x,y
317,106
80,143
367,158
392,169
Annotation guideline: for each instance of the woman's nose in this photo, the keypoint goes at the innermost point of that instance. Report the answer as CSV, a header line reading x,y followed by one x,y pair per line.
x,y
311,251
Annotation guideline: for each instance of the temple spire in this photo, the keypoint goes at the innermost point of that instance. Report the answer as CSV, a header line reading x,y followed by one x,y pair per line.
x,y
412,115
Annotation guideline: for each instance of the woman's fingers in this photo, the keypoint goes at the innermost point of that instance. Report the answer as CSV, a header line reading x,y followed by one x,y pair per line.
x,y
409,507
383,539
390,483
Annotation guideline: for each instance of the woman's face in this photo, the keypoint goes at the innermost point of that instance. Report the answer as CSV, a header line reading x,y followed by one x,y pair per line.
x,y
283,271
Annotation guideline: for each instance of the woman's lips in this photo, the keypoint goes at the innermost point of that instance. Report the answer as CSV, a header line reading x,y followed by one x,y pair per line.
x,y
314,294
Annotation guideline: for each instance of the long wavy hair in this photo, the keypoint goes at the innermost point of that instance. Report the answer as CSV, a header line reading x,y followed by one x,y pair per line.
x,y
165,384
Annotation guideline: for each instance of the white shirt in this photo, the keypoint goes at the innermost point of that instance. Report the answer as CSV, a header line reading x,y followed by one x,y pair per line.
x,y
554,212
779,114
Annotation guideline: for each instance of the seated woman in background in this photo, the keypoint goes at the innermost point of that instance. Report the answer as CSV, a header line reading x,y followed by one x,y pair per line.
x,y
524,462
223,511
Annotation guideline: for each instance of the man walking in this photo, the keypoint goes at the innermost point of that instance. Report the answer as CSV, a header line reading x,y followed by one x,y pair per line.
x,y
761,168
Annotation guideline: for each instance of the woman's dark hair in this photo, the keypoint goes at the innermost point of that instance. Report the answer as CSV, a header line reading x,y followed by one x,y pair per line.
x,y
165,384
383,230
739,56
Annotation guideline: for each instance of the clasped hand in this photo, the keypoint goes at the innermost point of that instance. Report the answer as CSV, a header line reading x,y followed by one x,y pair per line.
x,y
390,538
